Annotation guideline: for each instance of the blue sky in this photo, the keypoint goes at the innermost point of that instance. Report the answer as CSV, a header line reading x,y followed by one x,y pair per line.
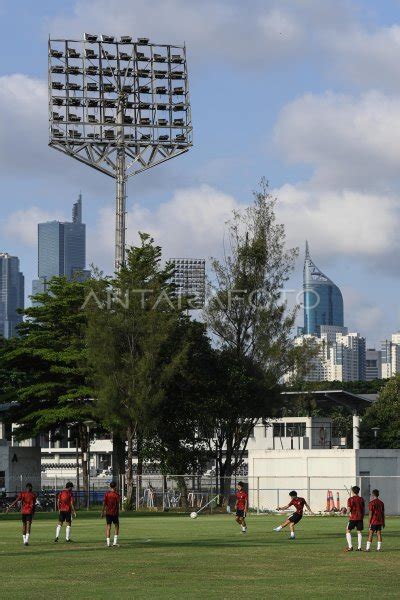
x,y
305,93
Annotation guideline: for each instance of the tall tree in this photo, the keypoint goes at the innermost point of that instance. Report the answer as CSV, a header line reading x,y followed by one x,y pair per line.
x,y
129,322
251,322
385,414
50,359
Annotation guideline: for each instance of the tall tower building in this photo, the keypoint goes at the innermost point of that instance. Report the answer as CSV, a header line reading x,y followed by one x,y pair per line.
x,y
11,294
61,249
323,301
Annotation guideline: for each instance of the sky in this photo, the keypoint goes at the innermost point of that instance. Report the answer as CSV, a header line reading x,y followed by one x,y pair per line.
x,y
305,93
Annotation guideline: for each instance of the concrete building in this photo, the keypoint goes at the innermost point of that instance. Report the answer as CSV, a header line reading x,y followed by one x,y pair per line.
x,y
373,364
61,249
390,350
302,454
11,294
19,463
341,355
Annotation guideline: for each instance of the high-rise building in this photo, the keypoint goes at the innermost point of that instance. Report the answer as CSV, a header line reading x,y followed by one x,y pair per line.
x,y
11,294
323,301
61,249
390,350
189,279
373,364
339,358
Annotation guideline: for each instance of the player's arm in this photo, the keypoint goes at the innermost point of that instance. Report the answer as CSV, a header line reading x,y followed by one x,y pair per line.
x,y
17,499
58,502
283,507
103,509
246,504
73,507
308,507
383,515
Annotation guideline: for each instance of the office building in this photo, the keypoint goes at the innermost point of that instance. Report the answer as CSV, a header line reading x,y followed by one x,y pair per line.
x,y
390,350
373,364
11,294
323,301
61,249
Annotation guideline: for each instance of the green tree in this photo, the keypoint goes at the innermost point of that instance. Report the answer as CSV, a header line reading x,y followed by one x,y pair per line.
x,y
250,320
130,319
50,360
385,414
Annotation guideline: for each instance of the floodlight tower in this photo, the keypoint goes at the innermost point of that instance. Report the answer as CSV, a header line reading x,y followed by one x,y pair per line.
x,y
119,106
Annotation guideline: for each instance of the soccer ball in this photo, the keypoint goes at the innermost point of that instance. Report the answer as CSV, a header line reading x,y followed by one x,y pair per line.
x,y
193,515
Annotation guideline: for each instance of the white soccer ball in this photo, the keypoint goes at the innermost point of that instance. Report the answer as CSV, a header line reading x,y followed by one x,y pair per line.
x,y
193,515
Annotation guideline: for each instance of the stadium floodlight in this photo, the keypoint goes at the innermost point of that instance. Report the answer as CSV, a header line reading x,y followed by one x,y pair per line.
x,y
189,279
119,106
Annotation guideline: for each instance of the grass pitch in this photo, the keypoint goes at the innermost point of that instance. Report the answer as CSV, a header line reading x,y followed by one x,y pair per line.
x,y
177,557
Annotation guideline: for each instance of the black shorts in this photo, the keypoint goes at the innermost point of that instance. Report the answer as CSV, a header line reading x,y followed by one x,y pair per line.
x,y
110,519
359,525
26,519
240,513
375,527
65,515
295,518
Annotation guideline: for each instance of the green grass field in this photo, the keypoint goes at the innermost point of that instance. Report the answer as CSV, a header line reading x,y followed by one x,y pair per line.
x,y
176,557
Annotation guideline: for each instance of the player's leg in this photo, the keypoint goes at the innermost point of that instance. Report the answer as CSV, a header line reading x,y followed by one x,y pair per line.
x,y
349,529
28,528
59,525
284,524
244,526
116,532
68,524
24,529
379,536
360,527
108,532
369,540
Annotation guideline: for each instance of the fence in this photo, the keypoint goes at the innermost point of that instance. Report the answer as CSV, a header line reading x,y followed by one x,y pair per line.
x,y
325,494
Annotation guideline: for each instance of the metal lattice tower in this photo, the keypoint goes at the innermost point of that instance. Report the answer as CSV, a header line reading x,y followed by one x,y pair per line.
x,y
120,107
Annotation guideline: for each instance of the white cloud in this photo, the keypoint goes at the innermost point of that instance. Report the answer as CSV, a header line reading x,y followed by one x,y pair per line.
x,y
365,58
191,223
341,222
21,225
347,140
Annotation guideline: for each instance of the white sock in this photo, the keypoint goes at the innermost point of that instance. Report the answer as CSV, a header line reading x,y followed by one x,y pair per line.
x,y
27,537
115,539
58,529
68,532
108,541
368,545
359,536
24,537
348,538
292,534
278,528
379,545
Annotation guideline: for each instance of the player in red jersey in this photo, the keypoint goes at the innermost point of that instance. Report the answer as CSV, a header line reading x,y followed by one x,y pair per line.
x,y
28,503
356,510
66,507
376,520
299,504
111,510
241,505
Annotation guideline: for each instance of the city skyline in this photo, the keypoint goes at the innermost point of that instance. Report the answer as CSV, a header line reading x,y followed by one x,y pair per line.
x,y
316,120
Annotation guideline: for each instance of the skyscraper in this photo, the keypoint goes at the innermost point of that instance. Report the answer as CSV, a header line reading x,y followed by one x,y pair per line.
x,y
61,249
323,301
11,294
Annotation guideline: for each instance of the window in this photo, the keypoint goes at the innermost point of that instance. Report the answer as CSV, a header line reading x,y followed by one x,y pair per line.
x,y
279,430
2,479
295,429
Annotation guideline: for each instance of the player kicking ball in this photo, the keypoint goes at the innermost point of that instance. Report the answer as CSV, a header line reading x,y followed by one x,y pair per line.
x,y
356,510
111,510
376,520
28,503
241,506
299,503
66,507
